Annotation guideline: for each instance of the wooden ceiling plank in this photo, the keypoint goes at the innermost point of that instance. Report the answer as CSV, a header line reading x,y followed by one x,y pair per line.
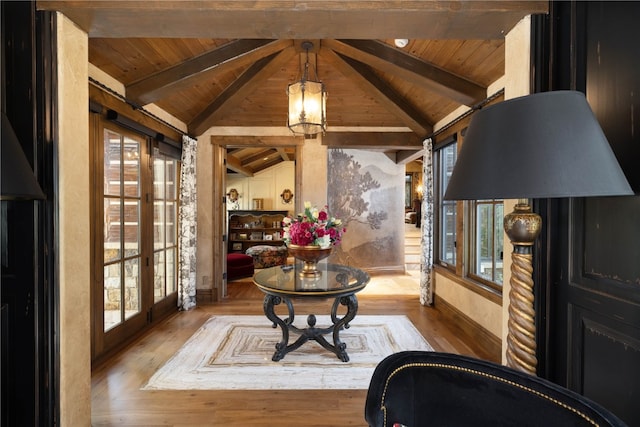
x,y
237,53
368,81
246,84
268,164
260,155
373,140
387,59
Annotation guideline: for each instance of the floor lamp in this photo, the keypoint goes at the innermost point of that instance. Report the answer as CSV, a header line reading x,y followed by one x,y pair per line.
x,y
546,145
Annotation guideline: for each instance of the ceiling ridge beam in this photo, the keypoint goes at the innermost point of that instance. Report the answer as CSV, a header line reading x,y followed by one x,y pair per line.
x,y
237,53
373,140
270,141
364,77
387,59
318,19
242,87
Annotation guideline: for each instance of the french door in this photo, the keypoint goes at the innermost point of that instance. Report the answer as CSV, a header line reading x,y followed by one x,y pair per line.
x,y
135,235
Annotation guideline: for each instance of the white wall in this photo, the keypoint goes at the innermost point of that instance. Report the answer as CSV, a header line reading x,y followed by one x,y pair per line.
x,y
266,185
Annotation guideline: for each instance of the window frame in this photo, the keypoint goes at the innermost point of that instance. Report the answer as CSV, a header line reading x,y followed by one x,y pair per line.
x,y
472,245
440,187
458,273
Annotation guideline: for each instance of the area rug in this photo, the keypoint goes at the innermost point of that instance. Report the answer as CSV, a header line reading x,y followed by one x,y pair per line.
x,y
234,353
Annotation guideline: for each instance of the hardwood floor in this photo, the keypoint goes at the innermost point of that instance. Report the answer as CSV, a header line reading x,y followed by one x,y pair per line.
x,y
118,401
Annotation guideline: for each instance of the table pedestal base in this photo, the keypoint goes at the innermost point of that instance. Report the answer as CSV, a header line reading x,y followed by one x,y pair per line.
x,y
311,332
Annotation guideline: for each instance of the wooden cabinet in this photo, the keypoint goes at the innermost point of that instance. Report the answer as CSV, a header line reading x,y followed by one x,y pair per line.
x,y
251,228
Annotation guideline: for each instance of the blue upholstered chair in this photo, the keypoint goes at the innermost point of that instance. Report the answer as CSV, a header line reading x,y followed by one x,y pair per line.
x,y
416,388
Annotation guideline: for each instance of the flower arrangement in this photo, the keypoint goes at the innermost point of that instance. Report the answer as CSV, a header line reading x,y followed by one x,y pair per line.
x,y
313,227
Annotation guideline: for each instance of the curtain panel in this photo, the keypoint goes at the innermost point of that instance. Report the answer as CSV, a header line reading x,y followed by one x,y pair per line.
x,y
426,240
187,214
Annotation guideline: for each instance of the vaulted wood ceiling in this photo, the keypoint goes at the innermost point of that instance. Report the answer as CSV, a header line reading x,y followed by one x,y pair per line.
x,y
228,63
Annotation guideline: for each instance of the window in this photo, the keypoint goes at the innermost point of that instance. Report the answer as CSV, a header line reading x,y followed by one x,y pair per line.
x,y
445,159
134,235
165,233
469,234
122,240
485,254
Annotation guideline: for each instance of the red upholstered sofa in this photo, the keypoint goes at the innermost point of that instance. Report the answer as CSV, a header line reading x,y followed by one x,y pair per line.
x,y
238,266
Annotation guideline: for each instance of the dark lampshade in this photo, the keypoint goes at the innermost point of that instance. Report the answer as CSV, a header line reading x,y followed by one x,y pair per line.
x,y
17,179
544,145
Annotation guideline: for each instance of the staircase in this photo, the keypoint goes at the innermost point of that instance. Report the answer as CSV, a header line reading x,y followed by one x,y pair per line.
x,y
411,248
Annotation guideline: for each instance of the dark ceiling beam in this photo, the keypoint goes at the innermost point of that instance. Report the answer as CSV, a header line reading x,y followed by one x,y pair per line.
x,y
238,53
393,61
234,94
364,77
404,157
373,140
108,101
293,19
234,164
237,141
260,155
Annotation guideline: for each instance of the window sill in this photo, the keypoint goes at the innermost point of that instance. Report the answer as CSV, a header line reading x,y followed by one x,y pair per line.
x,y
477,287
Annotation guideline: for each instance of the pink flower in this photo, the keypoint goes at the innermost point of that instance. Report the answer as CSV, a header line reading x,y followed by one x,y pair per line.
x,y
313,227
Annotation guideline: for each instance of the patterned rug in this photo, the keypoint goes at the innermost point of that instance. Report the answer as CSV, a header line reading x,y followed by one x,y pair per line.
x,y
234,353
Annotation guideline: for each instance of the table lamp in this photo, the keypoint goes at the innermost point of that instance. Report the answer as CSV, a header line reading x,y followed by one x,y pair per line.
x,y
546,145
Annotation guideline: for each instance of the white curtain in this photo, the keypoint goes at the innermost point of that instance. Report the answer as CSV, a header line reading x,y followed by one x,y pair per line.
x,y
187,213
426,257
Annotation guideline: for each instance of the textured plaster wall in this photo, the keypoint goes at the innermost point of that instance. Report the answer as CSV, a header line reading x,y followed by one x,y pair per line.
x,y
205,176
483,311
314,174
73,195
493,317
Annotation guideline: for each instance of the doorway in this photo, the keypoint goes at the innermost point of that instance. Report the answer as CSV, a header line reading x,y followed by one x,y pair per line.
x,y
135,235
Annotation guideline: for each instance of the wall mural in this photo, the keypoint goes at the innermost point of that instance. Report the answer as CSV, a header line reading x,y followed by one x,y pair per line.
x,y
366,191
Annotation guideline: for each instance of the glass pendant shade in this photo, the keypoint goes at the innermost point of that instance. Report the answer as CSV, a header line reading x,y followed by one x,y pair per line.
x,y
307,107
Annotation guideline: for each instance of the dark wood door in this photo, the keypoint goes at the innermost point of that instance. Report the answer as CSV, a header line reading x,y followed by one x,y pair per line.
x,y
594,292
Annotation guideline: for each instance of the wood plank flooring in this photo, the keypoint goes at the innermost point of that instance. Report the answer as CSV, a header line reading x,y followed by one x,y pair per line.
x,y
118,401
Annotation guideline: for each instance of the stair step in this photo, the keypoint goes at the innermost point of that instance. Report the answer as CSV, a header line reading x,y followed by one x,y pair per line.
x,y
411,258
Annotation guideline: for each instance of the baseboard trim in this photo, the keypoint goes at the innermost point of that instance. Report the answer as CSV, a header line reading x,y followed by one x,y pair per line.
x,y
204,296
488,342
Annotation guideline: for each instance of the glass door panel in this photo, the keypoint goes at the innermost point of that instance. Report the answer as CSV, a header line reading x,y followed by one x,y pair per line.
x,y
165,211
121,228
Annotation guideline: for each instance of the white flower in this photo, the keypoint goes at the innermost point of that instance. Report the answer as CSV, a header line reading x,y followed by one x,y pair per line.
x,y
324,241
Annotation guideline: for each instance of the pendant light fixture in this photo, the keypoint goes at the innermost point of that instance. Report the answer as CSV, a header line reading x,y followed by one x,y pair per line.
x,y
307,101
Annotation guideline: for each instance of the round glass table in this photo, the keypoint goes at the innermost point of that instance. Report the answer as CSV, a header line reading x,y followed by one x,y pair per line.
x,y
284,284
